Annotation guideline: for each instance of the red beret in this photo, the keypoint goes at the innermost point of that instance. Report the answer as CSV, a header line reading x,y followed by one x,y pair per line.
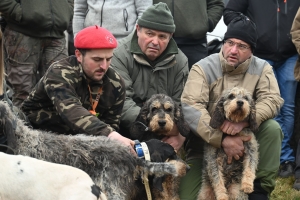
x,y
95,37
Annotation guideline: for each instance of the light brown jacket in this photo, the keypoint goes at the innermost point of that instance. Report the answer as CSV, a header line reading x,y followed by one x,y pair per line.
x,y
212,75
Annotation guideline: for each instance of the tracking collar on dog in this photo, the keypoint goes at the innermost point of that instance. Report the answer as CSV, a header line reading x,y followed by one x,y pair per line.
x,y
142,150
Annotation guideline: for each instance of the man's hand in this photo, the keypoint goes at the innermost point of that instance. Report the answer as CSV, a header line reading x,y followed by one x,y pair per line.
x,y
125,141
234,146
175,141
232,128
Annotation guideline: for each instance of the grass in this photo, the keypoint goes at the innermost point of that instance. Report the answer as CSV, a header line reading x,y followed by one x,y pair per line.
x,y
284,190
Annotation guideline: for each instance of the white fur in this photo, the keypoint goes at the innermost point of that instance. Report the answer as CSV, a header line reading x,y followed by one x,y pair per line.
x,y
26,178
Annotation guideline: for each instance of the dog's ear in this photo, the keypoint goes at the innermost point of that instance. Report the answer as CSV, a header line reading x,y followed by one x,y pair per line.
x,y
141,123
182,125
218,116
252,117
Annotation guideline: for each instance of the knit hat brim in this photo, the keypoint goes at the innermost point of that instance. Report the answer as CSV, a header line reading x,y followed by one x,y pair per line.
x,y
242,28
158,17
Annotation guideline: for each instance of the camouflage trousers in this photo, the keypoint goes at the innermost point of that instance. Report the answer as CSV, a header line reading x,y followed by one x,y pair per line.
x,y
27,59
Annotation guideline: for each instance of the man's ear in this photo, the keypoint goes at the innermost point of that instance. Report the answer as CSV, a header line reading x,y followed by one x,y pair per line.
x,y
78,55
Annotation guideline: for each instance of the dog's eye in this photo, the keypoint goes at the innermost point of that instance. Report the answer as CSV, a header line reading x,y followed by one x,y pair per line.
x,y
168,109
231,96
154,109
246,98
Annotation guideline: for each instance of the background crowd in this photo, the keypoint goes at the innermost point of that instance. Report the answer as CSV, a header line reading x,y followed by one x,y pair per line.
x,y
156,47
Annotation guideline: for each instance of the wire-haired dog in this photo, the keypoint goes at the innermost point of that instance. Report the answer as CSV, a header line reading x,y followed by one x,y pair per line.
x,y
110,165
223,181
155,120
157,117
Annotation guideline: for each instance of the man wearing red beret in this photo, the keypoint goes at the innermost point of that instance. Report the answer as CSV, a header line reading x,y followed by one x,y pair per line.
x,y
81,94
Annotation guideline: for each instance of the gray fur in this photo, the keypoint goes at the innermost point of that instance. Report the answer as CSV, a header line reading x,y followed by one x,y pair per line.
x,y
111,166
220,180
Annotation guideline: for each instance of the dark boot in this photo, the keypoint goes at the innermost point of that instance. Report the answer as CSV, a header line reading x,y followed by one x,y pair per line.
x,y
259,193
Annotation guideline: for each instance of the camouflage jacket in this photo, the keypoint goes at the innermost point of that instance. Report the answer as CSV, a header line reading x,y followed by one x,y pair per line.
x,y
60,102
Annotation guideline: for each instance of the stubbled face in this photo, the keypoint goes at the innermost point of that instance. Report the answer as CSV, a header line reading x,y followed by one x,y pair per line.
x,y
237,105
95,62
152,42
233,55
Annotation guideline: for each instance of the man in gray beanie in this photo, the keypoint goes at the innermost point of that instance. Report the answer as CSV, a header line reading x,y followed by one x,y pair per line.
x,y
150,63
235,65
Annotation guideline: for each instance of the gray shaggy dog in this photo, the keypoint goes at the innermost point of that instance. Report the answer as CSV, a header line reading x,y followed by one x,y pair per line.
x,y
111,166
223,181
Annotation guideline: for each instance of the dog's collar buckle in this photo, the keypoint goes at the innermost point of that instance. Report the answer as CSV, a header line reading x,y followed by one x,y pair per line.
x,y
142,150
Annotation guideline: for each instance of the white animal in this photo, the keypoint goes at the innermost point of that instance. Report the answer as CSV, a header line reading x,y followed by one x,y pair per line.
x,y
26,178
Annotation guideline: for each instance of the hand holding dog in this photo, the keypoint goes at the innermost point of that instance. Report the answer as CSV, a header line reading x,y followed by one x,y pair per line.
x,y
234,146
175,139
232,128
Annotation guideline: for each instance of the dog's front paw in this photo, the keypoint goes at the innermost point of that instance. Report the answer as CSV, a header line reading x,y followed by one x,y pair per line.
x,y
247,187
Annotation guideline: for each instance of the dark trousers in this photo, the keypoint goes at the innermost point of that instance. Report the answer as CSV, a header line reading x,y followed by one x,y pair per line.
x,y
297,169
194,50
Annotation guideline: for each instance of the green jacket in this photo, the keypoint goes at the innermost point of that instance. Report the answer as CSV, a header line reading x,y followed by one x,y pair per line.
x,y
36,18
212,75
194,18
167,75
60,102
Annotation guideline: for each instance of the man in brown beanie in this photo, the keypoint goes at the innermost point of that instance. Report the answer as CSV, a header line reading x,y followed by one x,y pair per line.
x,y
81,94
235,65
150,63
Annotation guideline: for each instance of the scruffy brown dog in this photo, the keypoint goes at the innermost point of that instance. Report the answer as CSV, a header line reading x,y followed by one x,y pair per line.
x,y
223,181
157,117
155,120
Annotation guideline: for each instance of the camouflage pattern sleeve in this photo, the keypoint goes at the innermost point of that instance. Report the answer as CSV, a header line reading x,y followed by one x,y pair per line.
x,y
65,85
116,95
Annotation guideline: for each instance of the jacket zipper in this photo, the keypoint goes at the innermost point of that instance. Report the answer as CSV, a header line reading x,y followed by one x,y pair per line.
x,y
102,13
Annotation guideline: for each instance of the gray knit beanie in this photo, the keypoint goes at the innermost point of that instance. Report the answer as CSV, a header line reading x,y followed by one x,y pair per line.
x,y
158,17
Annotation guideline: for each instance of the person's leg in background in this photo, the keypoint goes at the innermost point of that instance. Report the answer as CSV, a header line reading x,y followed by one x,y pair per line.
x,y
194,50
297,168
284,72
269,137
22,61
53,50
190,184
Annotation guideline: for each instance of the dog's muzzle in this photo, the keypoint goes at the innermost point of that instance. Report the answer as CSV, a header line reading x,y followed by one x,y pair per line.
x,y
142,150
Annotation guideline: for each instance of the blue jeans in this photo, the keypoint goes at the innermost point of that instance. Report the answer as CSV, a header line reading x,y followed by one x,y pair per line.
x,y
284,72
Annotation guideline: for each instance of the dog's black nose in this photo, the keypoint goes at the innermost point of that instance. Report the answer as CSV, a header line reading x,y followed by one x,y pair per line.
x,y
162,122
240,103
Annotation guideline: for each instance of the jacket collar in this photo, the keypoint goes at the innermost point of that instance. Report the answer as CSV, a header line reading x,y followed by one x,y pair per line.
x,y
231,70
